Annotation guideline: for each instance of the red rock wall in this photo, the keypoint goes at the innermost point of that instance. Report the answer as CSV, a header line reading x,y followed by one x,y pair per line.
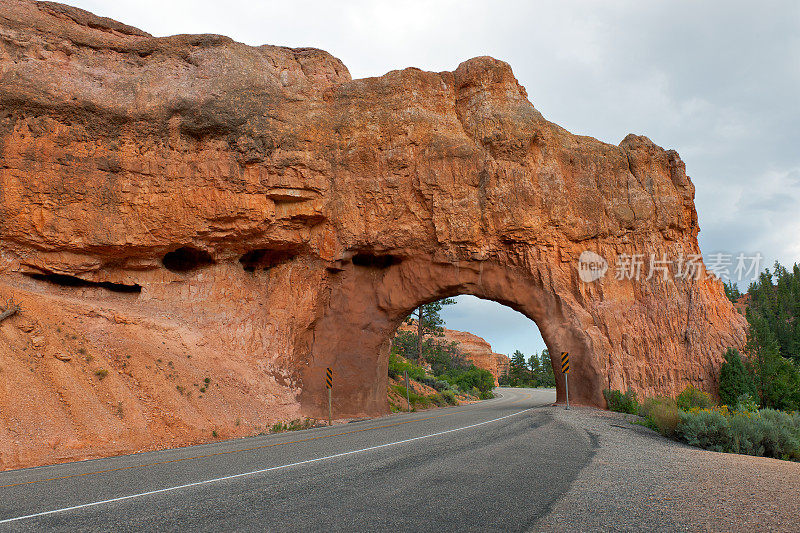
x,y
318,212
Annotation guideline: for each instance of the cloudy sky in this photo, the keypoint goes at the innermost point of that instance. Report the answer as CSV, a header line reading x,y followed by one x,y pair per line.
x,y
717,81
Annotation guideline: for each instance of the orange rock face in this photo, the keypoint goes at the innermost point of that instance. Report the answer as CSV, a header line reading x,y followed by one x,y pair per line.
x,y
188,207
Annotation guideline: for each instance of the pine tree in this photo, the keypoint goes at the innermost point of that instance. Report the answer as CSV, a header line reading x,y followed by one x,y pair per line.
x,y
518,369
548,377
429,322
535,364
734,381
731,291
776,380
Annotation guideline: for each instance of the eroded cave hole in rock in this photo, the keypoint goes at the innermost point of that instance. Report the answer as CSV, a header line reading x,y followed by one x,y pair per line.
x,y
186,258
265,258
65,280
372,260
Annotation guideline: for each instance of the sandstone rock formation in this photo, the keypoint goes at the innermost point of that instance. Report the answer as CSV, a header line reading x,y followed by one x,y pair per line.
x,y
187,207
475,348
479,351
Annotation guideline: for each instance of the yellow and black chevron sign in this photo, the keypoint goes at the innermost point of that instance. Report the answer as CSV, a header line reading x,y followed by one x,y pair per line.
x,y
565,362
329,378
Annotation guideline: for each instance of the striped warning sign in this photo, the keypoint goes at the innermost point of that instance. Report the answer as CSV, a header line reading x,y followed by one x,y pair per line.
x,y
329,378
565,362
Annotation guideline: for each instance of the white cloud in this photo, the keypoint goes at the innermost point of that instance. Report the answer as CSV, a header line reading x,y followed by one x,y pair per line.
x,y
505,329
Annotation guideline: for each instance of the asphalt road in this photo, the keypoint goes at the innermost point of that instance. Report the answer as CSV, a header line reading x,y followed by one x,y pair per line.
x,y
497,465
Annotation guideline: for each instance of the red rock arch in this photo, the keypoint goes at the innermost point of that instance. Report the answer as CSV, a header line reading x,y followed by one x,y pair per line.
x,y
354,335
310,212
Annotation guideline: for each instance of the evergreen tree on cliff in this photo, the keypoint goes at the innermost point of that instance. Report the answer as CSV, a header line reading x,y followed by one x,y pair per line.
x,y
775,299
731,291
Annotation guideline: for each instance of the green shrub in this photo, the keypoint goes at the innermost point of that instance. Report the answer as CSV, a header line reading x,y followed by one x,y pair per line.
x,y
647,404
471,379
450,397
398,365
441,385
661,414
438,400
780,434
622,403
766,432
394,371
101,373
746,434
747,402
692,398
293,425
417,400
706,429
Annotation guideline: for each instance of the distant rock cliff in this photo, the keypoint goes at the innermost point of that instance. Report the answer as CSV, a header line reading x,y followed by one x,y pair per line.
x,y
476,348
479,351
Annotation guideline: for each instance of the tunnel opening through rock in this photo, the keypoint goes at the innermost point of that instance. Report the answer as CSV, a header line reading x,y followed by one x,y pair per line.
x,y
186,259
480,332
364,313
65,280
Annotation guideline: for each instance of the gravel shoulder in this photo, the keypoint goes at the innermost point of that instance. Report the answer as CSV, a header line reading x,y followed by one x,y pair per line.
x,y
640,481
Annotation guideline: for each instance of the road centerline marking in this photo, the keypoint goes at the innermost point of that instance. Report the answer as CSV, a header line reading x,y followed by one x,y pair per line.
x,y
250,449
229,452
254,472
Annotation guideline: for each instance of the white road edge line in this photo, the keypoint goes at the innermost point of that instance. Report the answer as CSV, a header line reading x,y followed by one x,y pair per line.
x,y
263,470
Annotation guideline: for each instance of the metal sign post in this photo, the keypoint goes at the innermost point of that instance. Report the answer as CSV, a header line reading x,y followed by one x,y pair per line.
x,y
408,397
329,386
565,370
